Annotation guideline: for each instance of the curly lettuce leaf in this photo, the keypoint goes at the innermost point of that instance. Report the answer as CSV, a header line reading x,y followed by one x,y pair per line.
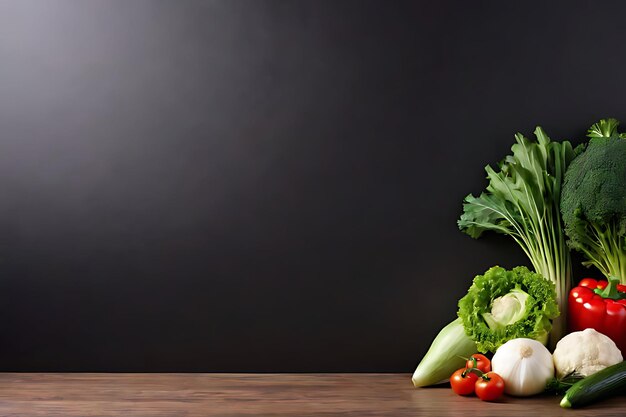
x,y
530,298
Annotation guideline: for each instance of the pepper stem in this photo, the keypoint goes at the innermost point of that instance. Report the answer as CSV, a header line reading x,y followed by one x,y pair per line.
x,y
610,291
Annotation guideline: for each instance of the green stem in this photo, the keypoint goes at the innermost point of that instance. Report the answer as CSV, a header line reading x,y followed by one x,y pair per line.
x,y
476,371
610,291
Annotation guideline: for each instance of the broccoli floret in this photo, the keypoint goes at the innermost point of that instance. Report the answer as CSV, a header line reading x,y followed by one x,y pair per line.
x,y
593,200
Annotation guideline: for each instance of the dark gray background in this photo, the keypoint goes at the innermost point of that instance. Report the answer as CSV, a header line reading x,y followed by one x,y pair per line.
x,y
267,185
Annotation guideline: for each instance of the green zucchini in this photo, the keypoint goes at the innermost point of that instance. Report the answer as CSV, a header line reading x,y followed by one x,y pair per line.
x,y
602,384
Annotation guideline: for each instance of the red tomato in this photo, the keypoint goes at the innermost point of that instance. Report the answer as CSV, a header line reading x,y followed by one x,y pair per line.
x,y
489,387
482,362
463,384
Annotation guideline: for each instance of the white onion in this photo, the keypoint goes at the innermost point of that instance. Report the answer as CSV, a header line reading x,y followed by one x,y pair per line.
x,y
525,365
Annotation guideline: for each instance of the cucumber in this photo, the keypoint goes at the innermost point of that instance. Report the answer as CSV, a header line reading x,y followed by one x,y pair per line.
x,y
602,384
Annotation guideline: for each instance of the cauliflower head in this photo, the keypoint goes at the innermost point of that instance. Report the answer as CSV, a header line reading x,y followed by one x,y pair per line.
x,y
585,353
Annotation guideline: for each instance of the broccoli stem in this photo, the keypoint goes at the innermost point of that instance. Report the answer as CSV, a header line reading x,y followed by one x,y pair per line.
x,y
605,251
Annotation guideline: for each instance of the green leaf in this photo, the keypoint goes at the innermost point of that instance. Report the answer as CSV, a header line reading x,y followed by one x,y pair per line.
x,y
605,128
486,213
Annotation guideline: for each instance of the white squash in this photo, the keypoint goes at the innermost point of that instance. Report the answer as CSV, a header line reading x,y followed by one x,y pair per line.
x,y
525,365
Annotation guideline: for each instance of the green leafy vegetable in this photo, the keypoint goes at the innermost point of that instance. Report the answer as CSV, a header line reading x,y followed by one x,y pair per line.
x,y
522,201
593,202
502,305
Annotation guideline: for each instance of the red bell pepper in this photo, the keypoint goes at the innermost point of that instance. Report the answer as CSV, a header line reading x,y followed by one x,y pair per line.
x,y
600,305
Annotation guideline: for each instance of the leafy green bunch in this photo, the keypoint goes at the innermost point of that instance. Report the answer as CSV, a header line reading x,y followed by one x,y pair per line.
x,y
522,201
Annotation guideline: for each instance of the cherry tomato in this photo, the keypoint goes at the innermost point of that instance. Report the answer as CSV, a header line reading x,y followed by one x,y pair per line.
x,y
489,387
463,384
482,362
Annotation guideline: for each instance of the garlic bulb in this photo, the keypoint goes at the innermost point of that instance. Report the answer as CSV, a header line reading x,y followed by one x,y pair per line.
x,y
525,365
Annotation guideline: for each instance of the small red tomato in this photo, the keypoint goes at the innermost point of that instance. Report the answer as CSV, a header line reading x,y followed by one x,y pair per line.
x,y
463,384
482,362
489,387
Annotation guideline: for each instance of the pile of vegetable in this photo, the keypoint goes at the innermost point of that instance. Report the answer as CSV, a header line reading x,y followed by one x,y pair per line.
x,y
550,198
499,306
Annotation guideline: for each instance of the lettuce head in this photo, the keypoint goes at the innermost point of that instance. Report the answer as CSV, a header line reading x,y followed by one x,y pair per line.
x,y
502,305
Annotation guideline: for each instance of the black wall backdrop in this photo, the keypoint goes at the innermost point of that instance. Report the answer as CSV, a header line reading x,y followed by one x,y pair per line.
x,y
267,185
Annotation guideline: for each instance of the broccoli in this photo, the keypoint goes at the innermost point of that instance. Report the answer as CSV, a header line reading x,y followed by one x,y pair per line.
x,y
593,200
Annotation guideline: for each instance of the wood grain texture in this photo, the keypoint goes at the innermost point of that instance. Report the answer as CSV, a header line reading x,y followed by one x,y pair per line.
x,y
190,395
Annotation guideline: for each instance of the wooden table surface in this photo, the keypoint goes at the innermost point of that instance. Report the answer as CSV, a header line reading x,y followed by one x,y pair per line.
x,y
187,395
